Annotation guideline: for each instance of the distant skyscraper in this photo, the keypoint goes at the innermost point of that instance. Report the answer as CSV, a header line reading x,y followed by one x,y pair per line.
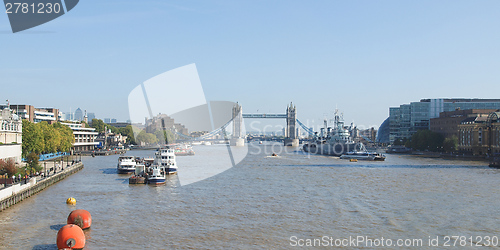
x,y
113,120
91,116
107,120
78,114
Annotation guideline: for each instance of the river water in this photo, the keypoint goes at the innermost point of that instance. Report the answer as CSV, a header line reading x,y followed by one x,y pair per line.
x,y
267,203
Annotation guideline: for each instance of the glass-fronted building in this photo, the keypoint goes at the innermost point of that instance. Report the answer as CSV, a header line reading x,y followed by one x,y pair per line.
x,y
407,119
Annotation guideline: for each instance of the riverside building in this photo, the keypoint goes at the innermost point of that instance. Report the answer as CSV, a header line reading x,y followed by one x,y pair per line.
x,y
480,135
11,132
407,119
85,138
36,115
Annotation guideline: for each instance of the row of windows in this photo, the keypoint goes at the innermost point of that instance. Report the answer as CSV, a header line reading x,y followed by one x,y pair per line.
x,y
467,138
8,126
84,136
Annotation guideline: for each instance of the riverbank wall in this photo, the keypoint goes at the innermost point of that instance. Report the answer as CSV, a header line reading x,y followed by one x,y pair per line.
x,y
18,192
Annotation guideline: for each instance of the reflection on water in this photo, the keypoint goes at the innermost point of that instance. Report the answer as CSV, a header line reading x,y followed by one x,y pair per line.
x,y
263,201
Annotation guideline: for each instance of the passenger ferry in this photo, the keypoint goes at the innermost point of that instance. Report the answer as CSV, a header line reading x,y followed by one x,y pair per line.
x,y
370,156
126,164
165,157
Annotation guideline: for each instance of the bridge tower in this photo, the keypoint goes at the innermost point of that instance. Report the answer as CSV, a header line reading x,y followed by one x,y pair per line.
x,y
237,138
291,137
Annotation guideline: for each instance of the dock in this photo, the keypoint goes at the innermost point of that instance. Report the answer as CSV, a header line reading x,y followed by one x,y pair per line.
x,y
103,152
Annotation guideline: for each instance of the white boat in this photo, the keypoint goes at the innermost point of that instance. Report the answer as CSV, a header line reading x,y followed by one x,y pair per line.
x,y
363,155
126,164
165,157
156,174
207,143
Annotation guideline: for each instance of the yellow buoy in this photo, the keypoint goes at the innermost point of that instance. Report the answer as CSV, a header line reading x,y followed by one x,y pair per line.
x,y
71,201
353,160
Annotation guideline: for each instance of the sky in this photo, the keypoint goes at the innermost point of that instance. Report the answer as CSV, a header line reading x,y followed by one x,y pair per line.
x,y
361,57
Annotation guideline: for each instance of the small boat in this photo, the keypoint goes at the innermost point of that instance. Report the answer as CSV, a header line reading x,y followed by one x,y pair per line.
x,y
363,155
207,143
126,164
182,149
139,176
495,162
156,174
135,179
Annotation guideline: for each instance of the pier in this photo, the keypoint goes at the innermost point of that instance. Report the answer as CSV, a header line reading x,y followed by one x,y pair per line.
x,y
103,152
18,192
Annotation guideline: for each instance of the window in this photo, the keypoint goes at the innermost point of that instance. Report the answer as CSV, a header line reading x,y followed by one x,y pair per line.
x,y
480,136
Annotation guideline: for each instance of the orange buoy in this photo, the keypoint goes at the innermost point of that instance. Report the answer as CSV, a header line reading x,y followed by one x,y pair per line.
x,y
81,218
70,237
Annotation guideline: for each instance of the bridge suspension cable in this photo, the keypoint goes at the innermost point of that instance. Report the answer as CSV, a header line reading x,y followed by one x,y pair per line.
x,y
308,130
205,136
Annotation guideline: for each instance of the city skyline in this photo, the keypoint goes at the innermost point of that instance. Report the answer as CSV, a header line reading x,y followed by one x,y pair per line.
x,y
359,57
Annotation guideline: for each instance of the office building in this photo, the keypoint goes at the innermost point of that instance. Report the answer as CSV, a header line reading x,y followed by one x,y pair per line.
x,y
91,116
85,138
78,115
407,119
36,115
448,121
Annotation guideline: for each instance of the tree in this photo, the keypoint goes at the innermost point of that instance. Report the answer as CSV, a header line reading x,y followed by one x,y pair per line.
x,y
426,140
8,167
33,138
66,137
32,160
165,136
147,138
450,144
398,142
129,133
99,125
52,137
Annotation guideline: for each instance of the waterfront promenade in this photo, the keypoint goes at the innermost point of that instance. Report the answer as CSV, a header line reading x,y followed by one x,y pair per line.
x,y
53,172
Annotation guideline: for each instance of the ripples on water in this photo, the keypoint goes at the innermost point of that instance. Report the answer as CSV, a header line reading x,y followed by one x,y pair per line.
x,y
263,201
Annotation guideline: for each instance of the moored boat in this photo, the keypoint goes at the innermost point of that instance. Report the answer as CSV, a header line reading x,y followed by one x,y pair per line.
x,y
495,162
139,177
126,164
156,174
182,149
165,157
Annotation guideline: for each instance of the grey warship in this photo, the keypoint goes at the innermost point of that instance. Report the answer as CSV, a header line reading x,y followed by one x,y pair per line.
x,y
335,141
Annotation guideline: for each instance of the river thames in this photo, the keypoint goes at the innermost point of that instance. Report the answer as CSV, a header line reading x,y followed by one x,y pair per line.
x,y
268,203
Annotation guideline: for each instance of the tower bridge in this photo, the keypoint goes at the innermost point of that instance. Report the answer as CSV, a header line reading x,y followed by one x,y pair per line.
x,y
238,136
291,136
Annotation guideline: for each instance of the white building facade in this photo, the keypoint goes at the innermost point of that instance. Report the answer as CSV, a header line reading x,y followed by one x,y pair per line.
x,y
84,137
11,139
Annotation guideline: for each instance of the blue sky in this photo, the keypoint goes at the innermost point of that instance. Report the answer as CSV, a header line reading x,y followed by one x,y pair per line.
x,y
360,56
